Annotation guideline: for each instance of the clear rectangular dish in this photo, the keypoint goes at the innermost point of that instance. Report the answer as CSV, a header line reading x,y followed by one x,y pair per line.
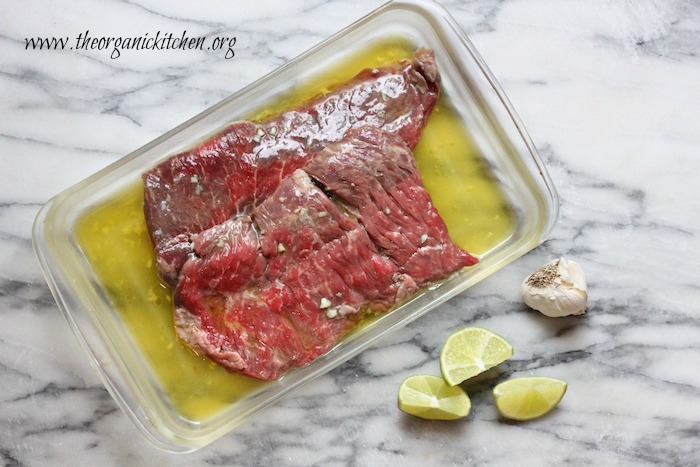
x,y
509,182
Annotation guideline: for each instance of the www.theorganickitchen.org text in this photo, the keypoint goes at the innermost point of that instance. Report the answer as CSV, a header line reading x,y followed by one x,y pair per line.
x,y
116,45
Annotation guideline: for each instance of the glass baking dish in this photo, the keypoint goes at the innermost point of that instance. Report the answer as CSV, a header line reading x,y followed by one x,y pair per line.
x,y
91,305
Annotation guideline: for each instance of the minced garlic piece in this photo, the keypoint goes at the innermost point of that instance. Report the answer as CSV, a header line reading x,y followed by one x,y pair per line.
x,y
331,313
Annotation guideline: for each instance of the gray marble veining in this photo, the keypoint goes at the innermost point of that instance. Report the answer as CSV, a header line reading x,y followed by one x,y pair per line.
x,y
610,92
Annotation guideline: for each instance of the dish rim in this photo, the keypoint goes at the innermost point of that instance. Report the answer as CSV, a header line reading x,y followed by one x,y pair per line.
x,y
167,438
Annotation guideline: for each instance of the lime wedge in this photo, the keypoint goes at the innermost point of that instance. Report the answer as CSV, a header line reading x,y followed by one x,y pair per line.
x,y
428,397
528,398
471,351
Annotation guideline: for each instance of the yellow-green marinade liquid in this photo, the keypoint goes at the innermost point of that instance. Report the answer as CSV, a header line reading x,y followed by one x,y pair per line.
x,y
115,240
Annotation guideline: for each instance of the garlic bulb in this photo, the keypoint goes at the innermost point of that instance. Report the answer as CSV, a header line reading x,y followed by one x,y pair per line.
x,y
556,289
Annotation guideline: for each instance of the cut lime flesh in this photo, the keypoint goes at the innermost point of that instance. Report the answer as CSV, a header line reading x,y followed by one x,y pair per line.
x,y
429,397
471,351
528,398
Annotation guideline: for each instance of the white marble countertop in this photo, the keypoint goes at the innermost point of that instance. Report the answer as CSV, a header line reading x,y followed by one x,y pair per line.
x,y
610,92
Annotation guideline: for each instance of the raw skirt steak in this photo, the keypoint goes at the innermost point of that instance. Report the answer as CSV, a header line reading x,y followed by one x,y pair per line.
x,y
279,236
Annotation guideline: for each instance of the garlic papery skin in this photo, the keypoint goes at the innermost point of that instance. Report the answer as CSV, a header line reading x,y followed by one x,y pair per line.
x,y
556,289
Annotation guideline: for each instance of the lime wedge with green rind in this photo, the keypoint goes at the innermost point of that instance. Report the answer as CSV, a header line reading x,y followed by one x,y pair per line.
x,y
471,351
528,398
429,397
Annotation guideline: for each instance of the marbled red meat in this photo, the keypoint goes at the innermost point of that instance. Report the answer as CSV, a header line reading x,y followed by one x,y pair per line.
x,y
279,236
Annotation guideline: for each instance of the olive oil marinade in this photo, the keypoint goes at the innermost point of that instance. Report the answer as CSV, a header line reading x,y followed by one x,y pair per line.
x,y
115,239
